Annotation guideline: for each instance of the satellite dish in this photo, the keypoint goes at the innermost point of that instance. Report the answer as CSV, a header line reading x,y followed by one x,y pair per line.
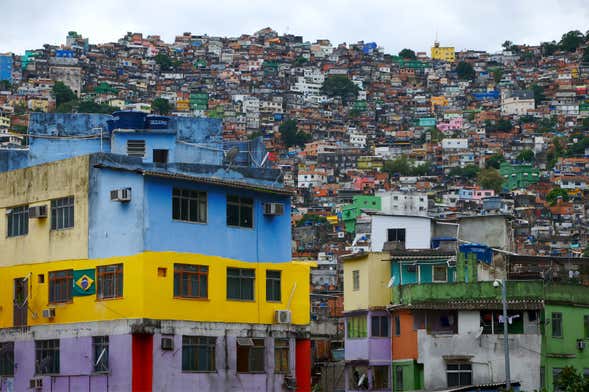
x,y
362,378
231,154
391,282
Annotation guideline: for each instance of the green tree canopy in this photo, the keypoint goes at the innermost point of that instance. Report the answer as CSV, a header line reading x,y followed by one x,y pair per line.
x,y
538,94
586,55
569,380
494,161
161,106
5,85
407,54
164,61
340,86
468,172
291,136
571,40
526,156
555,193
404,166
465,71
548,48
93,107
312,219
62,93
490,179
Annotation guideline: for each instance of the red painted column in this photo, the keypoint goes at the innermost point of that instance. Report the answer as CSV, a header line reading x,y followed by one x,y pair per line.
x,y
303,365
142,362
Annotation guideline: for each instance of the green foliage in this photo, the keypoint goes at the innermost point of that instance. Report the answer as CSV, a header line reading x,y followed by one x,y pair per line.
x,y
555,193
164,61
20,109
67,107
548,48
490,179
93,107
404,166
468,172
494,161
161,106
507,45
526,156
539,96
5,85
340,86
502,125
300,61
312,219
465,71
291,136
569,380
407,54
571,40
497,75
578,148
62,93
585,58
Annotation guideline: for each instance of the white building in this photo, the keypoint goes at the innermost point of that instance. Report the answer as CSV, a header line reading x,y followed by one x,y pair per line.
x,y
405,232
403,203
517,102
454,144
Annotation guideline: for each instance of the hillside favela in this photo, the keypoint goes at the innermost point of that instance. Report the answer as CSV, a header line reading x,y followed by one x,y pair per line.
x,y
270,212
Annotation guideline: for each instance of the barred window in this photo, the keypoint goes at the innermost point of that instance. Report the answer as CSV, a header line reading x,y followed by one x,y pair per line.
x,y
62,213
189,205
198,353
273,286
100,348
240,283
281,354
109,281
191,281
7,359
60,286
240,211
18,221
459,374
47,356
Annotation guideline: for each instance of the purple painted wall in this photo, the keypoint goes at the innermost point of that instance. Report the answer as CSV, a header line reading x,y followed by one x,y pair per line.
x,y
168,375
373,349
76,367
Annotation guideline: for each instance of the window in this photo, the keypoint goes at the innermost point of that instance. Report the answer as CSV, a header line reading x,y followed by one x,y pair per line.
x,y
191,281
399,378
380,326
250,355
281,353
397,319
198,353
62,213
160,156
109,282
240,283
7,359
459,374
60,286
136,148
240,211
557,325
396,235
273,286
100,349
47,356
356,280
356,327
18,221
189,205
381,377
440,273
586,326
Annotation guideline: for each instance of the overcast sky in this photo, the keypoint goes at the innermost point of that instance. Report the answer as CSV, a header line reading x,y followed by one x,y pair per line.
x,y
465,24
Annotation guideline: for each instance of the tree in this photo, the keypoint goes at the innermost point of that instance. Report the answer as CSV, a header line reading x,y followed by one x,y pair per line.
x,y
161,106
340,86
571,41
62,93
538,94
494,161
569,380
291,136
407,54
490,179
507,45
586,55
93,107
555,193
548,48
4,85
399,166
164,61
465,71
312,220
526,156
497,75
467,172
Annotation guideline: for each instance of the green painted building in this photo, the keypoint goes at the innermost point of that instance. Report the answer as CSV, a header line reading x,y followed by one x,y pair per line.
x,y
353,211
518,176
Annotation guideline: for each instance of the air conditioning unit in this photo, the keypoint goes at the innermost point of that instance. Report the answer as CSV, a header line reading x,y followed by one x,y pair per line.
x,y
36,383
273,208
167,343
38,212
122,195
283,316
581,344
49,313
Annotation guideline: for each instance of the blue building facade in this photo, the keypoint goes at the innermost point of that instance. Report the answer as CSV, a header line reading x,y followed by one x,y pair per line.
x,y
6,67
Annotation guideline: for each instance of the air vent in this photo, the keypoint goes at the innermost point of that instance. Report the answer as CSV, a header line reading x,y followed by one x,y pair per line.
x,y
167,343
38,212
273,209
122,195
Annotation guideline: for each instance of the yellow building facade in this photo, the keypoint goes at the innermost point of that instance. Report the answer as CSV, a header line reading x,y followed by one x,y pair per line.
x,y
443,53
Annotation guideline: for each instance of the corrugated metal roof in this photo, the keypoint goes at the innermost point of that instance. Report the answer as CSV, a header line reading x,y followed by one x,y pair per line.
x,y
516,304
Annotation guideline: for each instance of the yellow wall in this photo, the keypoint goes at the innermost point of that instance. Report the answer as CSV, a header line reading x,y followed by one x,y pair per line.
x,y
443,53
439,101
147,295
37,185
4,122
375,274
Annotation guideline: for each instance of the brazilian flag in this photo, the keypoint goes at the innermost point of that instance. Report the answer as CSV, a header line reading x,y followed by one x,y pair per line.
x,y
84,282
